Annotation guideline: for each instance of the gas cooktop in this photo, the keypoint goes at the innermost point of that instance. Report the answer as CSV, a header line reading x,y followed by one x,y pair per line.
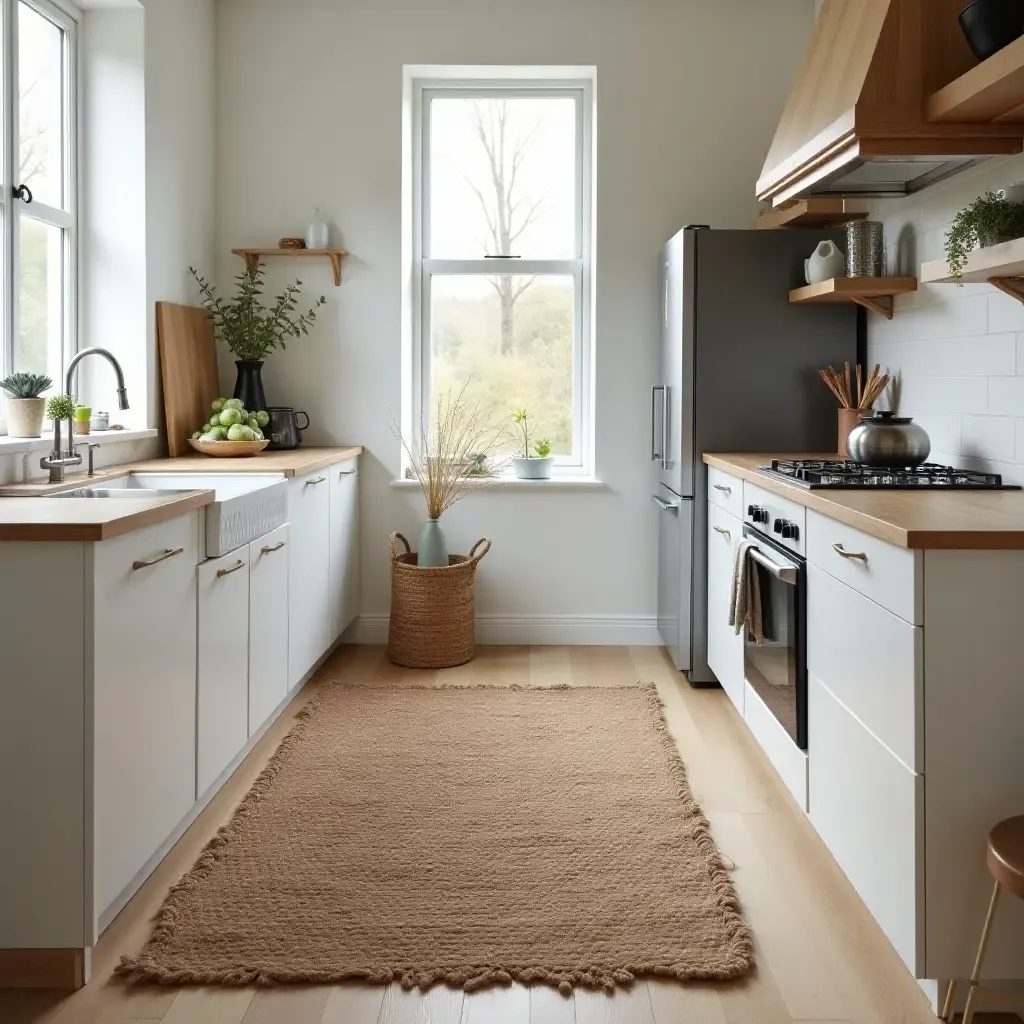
x,y
821,474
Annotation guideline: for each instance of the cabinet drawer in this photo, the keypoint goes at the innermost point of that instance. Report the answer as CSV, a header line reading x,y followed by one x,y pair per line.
x,y
786,757
268,625
725,491
889,575
871,660
725,646
868,809
309,577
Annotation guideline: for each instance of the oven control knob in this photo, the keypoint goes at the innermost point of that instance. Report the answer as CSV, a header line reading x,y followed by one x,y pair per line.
x,y
750,511
777,526
794,531
765,518
787,531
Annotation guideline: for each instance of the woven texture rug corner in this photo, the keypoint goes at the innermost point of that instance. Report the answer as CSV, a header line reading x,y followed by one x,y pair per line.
x,y
470,837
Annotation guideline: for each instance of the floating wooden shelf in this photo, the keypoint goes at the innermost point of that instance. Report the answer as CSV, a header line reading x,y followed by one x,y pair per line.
x,y
874,293
991,91
1002,266
809,213
252,257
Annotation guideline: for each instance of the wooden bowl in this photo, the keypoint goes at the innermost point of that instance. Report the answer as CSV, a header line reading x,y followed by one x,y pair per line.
x,y
228,449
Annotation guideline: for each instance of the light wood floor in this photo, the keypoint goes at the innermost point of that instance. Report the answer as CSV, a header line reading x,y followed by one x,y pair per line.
x,y
820,955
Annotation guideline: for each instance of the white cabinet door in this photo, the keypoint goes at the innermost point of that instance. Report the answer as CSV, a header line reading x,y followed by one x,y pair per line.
x,y
223,704
344,546
144,692
268,625
868,809
309,572
725,646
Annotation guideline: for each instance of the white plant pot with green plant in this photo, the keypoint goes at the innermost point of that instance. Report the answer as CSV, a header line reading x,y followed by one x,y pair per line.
x,y
24,405
539,465
989,220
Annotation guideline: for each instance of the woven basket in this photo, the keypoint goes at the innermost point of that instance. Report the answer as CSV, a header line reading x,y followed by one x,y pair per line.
x,y
432,608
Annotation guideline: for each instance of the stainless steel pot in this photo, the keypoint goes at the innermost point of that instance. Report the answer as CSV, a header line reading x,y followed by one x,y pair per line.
x,y
888,441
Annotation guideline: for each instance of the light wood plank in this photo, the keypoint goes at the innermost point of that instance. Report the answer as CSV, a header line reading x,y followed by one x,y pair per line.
x,y
509,1005
549,1006
354,1004
299,1004
147,1002
986,92
626,1006
440,1005
676,1003
210,1006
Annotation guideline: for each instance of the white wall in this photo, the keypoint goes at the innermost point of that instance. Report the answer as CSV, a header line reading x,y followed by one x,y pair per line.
x,y
959,350
309,114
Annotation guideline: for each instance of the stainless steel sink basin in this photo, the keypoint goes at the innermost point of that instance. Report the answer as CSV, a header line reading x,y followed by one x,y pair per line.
x,y
119,492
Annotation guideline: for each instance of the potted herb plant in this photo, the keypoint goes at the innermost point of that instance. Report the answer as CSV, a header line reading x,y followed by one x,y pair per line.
x,y
252,330
23,404
989,220
537,466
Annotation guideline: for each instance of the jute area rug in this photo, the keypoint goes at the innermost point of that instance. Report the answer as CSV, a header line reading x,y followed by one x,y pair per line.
x,y
463,836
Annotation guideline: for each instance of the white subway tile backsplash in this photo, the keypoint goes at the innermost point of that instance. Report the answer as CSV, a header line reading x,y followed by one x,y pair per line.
x,y
988,355
954,318
1006,396
964,395
942,431
1019,446
989,437
1004,313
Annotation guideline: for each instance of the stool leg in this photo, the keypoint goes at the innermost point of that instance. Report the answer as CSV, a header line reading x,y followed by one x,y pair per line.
x,y
969,1007
947,1006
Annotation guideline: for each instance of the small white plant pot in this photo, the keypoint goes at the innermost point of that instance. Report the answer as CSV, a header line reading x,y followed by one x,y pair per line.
x,y
533,469
24,416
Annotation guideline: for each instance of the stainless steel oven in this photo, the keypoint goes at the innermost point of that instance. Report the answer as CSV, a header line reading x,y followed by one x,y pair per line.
x,y
777,668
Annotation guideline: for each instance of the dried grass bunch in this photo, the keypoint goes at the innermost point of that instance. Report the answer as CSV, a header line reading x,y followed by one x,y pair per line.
x,y
446,458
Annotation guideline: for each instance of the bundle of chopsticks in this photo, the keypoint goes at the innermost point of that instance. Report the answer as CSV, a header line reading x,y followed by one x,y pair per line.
x,y
867,391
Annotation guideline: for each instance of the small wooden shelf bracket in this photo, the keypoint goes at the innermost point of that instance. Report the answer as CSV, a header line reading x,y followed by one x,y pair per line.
x,y
881,304
1012,286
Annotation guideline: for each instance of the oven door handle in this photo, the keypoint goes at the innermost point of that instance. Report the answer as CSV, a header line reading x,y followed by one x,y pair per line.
x,y
783,573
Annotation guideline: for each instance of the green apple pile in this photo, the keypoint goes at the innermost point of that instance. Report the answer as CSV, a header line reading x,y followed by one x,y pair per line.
x,y
229,421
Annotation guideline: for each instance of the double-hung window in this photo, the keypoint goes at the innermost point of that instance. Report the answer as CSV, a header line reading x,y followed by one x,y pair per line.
x,y
38,242
502,227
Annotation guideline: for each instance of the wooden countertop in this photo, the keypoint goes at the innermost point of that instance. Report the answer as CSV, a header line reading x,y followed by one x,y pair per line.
x,y
288,464
90,519
982,520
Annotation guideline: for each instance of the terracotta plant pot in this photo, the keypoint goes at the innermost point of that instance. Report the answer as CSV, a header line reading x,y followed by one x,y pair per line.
x,y
848,419
24,416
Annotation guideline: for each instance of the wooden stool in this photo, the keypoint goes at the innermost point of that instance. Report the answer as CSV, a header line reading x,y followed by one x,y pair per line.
x,y
1006,863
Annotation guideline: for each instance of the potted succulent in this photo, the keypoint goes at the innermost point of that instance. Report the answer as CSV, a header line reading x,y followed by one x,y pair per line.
x,y
989,220
23,404
537,466
252,330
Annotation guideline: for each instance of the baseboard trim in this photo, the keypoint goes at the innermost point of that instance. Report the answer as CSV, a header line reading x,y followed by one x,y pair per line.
x,y
44,968
538,630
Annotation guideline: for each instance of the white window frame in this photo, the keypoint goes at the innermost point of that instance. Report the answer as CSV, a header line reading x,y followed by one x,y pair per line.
x,y
65,16
580,267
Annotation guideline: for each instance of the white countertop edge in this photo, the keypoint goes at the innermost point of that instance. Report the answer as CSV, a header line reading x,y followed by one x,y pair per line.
x,y
17,445
565,483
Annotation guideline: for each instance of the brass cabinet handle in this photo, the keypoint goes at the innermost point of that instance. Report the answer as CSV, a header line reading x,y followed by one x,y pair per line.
x,y
318,480
169,553
859,555
721,530
722,487
347,472
270,551
221,573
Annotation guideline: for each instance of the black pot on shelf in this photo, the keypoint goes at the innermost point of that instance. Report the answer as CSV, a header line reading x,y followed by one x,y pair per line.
x,y
989,25
249,384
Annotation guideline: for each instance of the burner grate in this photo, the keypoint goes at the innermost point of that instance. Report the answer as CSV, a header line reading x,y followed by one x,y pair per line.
x,y
822,473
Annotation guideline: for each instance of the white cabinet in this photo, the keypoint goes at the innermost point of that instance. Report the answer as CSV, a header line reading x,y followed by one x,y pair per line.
x,y
344,546
143,654
725,491
725,646
868,809
223,663
309,572
268,625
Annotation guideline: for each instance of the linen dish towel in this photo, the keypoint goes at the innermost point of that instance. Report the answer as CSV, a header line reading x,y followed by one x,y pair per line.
x,y
745,606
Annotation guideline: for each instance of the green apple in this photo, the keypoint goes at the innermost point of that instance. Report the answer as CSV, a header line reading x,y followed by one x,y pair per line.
x,y
218,433
198,434
234,403
252,423
239,432
207,438
258,435
262,418
218,404
229,416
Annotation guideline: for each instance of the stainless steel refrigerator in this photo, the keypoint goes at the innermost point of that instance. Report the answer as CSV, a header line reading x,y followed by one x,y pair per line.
x,y
738,374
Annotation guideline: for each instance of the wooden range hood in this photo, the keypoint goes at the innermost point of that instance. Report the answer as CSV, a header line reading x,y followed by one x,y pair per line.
x,y
855,123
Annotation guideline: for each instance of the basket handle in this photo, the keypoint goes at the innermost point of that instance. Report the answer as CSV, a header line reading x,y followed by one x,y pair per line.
x,y
473,556
394,551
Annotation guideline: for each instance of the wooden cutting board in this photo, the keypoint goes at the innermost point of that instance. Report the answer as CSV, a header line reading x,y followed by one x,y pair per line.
x,y
188,370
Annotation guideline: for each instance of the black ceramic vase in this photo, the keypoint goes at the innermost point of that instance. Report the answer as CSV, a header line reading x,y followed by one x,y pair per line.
x,y
249,384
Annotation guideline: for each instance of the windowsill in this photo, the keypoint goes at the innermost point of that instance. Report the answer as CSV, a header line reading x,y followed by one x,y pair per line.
x,y
511,483
16,445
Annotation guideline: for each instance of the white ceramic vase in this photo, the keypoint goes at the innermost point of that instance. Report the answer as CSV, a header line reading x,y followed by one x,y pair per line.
x,y
24,416
825,262
318,234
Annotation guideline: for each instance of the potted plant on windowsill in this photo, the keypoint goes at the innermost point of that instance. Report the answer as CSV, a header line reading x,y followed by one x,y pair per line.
x,y
989,220
539,465
23,404
252,330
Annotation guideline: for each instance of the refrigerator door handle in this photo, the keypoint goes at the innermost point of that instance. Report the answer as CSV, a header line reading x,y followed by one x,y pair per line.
x,y
665,506
666,413
655,456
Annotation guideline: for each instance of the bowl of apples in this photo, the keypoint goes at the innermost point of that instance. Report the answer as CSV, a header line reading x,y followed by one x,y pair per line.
x,y
231,431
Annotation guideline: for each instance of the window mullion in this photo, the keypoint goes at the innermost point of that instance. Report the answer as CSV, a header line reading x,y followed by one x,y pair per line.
x,y
10,152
